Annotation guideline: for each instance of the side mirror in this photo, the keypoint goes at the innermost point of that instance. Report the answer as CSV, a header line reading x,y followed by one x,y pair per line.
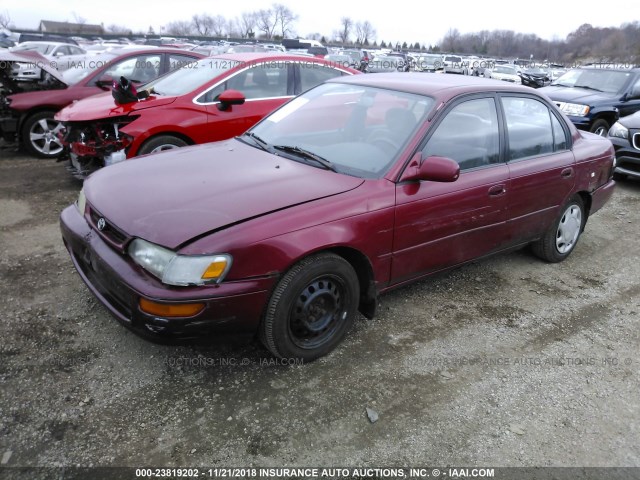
x,y
434,169
104,82
230,97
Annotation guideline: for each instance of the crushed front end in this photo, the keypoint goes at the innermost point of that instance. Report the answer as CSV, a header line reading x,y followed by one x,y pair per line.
x,y
95,144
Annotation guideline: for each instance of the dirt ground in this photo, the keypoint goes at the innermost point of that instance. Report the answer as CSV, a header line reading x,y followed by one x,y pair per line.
x,y
504,362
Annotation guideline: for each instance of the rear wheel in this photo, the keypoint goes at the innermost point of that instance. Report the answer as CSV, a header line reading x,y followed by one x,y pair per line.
x,y
311,308
560,240
39,135
161,143
600,127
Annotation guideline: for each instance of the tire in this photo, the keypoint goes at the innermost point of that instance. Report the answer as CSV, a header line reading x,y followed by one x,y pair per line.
x,y
560,240
39,135
312,308
161,143
600,127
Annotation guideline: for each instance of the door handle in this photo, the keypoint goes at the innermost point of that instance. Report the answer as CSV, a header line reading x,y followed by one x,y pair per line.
x,y
497,190
567,173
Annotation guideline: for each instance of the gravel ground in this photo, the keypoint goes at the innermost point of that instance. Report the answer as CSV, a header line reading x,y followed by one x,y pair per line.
x,y
504,362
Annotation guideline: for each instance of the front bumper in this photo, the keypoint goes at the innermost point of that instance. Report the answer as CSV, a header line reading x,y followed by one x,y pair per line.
x,y
627,158
230,307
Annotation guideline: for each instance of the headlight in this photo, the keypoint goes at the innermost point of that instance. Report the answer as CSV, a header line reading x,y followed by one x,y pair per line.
x,y
575,109
619,130
174,269
81,203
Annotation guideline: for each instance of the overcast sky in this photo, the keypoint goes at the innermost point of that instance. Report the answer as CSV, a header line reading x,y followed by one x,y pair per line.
x,y
395,20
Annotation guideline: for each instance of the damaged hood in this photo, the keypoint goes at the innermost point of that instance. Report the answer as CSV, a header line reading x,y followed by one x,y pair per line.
x,y
174,196
7,59
103,106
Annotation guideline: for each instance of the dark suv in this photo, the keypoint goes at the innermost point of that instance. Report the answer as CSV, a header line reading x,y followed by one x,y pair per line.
x,y
594,98
625,136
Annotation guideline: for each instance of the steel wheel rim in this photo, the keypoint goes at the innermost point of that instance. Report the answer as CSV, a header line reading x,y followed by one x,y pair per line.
x,y
318,311
569,229
43,136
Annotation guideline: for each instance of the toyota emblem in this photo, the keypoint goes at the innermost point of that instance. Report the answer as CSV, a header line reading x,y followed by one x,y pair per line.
x,y
101,223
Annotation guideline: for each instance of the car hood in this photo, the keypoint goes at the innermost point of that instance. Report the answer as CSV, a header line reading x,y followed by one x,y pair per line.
x,y
104,106
8,58
575,95
175,196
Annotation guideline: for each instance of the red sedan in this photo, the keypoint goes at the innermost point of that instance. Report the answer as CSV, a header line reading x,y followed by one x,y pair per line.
x,y
356,187
30,110
214,99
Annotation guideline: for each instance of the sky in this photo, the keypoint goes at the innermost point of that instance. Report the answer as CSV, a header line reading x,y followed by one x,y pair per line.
x,y
397,20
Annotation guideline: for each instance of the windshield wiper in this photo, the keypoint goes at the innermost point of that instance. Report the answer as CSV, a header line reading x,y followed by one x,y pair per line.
x,y
307,154
553,84
258,141
588,88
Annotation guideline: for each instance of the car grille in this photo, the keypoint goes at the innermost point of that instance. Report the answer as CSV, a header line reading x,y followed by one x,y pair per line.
x,y
115,237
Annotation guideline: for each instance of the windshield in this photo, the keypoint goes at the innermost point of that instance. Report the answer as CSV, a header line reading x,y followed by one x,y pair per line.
x,y
602,80
354,129
191,76
81,68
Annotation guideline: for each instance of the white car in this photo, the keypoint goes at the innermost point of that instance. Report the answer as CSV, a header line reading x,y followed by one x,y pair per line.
x,y
508,73
51,51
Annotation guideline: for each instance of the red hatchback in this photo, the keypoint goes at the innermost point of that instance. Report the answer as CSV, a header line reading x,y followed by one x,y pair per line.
x,y
29,114
358,186
213,99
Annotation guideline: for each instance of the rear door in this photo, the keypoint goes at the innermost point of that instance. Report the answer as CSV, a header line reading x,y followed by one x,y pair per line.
x,y
541,165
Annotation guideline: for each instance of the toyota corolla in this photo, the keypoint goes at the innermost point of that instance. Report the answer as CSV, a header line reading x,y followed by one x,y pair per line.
x,y
358,186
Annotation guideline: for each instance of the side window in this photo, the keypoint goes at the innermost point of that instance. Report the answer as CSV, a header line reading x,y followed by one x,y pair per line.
x,y
179,61
528,127
469,134
559,136
261,81
139,69
312,74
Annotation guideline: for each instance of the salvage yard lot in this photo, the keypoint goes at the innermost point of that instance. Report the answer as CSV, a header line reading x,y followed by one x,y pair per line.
x,y
504,362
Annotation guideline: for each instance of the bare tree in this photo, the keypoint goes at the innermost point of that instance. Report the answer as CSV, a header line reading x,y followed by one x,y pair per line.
x,y
450,40
233,28
346,24
284,19
267,22
218,25
203,24
179,27
365,32
5,20
247,23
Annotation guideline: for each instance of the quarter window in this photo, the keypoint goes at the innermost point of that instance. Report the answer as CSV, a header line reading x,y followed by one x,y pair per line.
x,y
468,134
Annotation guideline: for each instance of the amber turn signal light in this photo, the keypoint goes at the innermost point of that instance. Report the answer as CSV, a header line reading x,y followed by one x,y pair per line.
x,y
170,309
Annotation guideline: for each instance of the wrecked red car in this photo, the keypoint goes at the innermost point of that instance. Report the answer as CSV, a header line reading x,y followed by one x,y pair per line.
x,y
27,108
213,99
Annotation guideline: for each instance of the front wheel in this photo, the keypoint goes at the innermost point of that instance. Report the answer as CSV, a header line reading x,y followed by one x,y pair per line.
x,y
311,308
161,143
39,135
560,240
600,127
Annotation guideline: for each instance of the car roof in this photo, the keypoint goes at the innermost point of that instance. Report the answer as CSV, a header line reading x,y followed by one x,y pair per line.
x,y
269,55
432,85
